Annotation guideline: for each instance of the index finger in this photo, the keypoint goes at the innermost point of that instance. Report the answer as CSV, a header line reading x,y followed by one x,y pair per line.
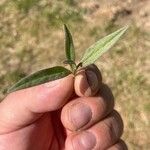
x,y
88,81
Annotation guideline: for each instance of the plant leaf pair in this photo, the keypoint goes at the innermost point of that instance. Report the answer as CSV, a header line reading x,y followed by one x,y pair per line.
x,y
89,57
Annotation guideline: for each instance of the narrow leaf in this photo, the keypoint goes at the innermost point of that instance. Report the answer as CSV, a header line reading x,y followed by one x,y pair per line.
x,y
101,46
68,62
69,46
40,77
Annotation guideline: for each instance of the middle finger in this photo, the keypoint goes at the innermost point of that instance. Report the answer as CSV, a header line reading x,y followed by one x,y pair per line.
x,y
83,112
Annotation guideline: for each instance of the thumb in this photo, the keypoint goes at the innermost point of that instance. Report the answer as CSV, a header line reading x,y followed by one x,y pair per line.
x,y
23,107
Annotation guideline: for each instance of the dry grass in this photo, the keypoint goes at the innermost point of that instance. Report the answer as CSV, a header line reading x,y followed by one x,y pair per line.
x,y
31,38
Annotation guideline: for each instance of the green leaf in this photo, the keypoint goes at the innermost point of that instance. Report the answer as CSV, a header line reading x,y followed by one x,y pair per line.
x,y
40,77
68,62
101,46
69,47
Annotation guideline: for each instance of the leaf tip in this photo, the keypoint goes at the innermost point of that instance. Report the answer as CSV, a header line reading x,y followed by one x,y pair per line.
x,y
65,27
125,28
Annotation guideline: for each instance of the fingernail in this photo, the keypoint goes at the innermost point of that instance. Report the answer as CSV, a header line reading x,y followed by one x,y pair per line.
x,y
84,141
92,79
53,83
80,115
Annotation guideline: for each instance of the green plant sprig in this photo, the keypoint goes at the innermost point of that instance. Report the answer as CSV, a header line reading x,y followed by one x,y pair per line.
x,y
57,72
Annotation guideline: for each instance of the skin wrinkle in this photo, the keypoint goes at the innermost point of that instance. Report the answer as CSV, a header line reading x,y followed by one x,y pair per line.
x,y
94,122
10,137
4,125
120,145
38,116
103,106
76,129
119,121
69,116
80,134
20,127
113,131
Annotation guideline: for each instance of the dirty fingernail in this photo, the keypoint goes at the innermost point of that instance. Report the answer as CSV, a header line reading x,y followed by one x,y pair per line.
x,y
80,115
84,141
92,79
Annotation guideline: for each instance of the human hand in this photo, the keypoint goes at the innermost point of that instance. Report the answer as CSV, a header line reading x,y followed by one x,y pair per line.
x,y
52,116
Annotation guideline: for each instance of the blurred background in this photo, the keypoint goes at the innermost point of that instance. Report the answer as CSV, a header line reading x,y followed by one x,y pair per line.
x,y
32,38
